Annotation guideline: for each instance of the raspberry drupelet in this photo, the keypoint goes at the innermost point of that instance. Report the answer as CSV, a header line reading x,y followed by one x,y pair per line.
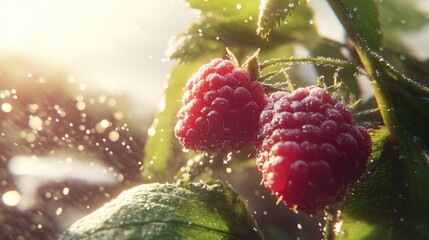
x,y
309,148
221,107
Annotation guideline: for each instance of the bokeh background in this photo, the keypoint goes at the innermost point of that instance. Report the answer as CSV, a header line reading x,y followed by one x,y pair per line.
x,y
80,82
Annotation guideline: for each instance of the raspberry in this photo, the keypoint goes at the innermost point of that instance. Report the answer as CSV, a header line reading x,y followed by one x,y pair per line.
x,y
309,149
221,107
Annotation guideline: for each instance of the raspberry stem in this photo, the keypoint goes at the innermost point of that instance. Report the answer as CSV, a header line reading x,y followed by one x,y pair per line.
x,y
315,60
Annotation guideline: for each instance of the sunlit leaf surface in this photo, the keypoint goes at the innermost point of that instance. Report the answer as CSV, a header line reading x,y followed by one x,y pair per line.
x,y
170,211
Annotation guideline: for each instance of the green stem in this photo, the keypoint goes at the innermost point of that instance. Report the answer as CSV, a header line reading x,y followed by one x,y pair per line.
x,y
380,93
399,77
411,164
315,60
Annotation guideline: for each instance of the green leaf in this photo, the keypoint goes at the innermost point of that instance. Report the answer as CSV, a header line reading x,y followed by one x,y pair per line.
x,y
402,15
158,145
399,98
221,24
360,18
272,13
180,211
398,18
391,202
233,9
210,35
366,211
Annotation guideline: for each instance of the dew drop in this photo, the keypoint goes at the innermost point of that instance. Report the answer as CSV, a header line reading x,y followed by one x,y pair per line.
x,y
151,131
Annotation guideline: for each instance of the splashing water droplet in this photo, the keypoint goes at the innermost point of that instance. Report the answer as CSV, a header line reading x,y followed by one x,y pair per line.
x,y
35,123
58,211
11,198
6,107
114,136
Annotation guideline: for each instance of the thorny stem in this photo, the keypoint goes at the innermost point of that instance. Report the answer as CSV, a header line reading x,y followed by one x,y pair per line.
x,y
381,93
315,60
413,164
400,77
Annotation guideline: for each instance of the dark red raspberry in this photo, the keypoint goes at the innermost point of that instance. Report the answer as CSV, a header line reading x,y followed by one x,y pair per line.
x,y
309,149
221,108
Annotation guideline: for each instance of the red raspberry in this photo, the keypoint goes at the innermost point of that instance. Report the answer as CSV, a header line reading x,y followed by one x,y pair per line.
x,y
221,108
309,149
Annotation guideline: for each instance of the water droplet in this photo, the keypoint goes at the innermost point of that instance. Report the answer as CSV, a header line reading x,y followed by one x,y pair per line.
x,y
151,131
6,107
48,195
80,106
238,6
58,211
32,107
66,191
35,123
11,198
337,227
299,226
114,136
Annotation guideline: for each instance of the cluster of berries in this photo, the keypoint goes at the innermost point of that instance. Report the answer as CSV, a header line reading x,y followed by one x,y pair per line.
x,y
308,146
